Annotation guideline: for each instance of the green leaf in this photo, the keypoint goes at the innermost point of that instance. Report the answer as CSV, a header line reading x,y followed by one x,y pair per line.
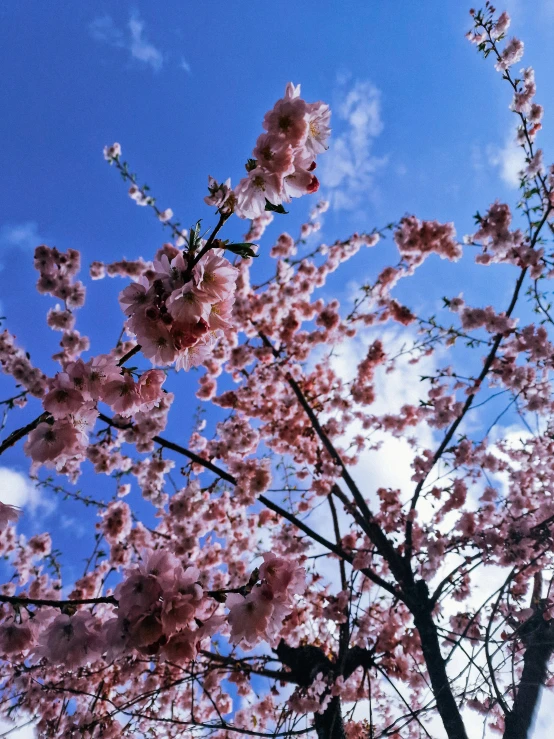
x,y
274,208
194,236
244,250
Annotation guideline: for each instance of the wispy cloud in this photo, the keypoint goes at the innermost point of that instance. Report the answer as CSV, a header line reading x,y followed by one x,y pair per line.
x,y
73,524
132,39
140,48
184,65
24,235
20,236
104,29
18,490
348,168
509,159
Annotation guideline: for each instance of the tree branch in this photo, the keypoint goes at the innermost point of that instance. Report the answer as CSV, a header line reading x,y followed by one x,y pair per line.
x,y
266,501
20,600
15,436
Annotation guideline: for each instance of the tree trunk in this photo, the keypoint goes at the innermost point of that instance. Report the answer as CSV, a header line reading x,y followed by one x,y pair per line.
x,y
436,667
329,724
305,663
540,646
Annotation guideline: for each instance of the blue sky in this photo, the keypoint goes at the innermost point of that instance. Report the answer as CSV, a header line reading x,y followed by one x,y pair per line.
x,y
421,124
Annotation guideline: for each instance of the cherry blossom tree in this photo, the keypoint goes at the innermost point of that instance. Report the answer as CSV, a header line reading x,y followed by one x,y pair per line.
x,y
281,593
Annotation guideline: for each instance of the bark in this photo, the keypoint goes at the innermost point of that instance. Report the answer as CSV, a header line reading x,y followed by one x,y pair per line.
x,y
539,642
329,724
305,663
436,667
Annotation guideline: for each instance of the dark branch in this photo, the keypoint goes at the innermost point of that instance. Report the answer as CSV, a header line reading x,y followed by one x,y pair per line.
x,y
15,436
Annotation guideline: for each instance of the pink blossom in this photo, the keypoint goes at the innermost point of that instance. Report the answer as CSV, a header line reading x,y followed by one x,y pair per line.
x,y
193,356
220,314
60,320
166,215
138,591
122,395
145,626
501,25
62,398
283,577
116,522
47,442
8,513
150,388
221,195
134,296
292,91
288,120
157,345
318,117
181,600
512,53
300,182
162,565
273,154
188,305
70,640
16,637
253,191
136,194
112,152
214,278
249,617
84,419
181,647
417,239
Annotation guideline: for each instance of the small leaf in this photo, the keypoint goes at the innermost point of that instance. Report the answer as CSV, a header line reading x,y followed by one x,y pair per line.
x,y
243,250
194,236
274,208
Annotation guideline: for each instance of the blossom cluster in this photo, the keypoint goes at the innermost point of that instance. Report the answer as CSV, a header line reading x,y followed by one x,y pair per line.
x,y
160,608
417,239
71,400
16,362
177,309
157,605
487,35
502,244
260,614
283,159
57,278
288,388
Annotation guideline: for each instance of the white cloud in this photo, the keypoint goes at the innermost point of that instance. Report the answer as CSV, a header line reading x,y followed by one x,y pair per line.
x,y
348,168
104,29
24,235
133,39
17,730
509,159
140,48
18,490
543,13
73,524
184,65
391,465
19,236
